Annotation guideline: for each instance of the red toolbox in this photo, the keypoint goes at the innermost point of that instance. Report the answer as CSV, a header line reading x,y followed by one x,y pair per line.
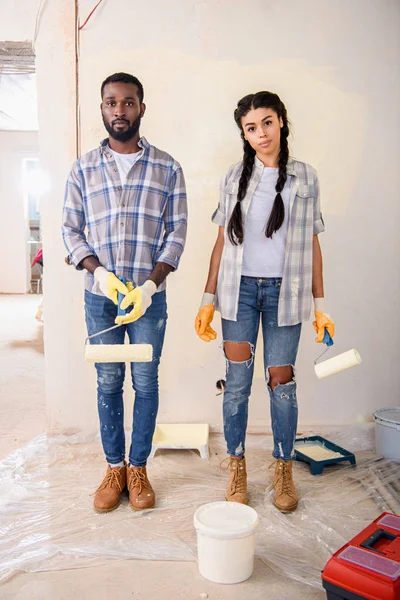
x,y
367,567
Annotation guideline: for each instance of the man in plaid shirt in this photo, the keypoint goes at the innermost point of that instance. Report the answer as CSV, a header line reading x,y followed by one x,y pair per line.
x,y
125,215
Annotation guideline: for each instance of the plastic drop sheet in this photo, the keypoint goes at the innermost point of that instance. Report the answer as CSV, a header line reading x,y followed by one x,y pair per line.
x,y
47,521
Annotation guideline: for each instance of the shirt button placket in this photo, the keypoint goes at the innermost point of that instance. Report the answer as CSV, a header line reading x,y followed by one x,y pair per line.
x,y
122,226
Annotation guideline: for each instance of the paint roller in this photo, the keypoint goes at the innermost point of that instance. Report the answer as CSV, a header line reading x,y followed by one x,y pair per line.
x,y
99,352
336,364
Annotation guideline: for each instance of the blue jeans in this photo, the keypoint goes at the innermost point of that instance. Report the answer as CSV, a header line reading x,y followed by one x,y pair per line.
x,y
259,297
100,314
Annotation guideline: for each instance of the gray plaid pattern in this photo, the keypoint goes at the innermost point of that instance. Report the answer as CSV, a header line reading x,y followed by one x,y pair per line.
x,y
128,228
305,220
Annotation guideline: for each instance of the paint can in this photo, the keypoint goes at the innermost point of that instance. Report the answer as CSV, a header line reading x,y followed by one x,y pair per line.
x,y
225,541
387,432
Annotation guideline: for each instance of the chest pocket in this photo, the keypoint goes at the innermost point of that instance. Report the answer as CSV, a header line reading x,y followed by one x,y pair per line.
x,y
232,188
305,192
231,192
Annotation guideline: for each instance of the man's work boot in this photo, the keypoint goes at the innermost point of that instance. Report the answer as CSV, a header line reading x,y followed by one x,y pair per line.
x,y
108,494
141,494
286,498
237,486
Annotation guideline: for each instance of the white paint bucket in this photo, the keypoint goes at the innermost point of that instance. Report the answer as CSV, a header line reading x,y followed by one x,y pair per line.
x,y
387,432
225,541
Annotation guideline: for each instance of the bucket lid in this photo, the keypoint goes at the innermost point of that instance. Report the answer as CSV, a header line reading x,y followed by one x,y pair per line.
x,y
225,520
391,414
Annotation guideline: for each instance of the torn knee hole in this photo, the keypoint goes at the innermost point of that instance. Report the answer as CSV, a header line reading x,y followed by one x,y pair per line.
x,y
279,375
238,351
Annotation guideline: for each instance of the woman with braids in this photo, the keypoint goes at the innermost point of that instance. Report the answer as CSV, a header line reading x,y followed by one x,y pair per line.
x,y
266,266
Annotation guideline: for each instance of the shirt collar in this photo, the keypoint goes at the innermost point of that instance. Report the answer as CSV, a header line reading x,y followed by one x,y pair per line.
x,y
104,147
289,169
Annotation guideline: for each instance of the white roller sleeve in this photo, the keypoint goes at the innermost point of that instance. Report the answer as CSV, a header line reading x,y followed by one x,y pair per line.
x,y
118,353
338,363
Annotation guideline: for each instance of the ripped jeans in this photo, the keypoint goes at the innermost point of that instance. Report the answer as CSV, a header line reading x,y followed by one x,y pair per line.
x,y
259,297
100,314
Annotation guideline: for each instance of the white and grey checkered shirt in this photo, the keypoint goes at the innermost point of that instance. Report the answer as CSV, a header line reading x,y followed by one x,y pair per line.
x,y
305,220
130,227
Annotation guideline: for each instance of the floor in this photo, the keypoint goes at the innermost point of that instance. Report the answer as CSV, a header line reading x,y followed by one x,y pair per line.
x,y
53,546
22,399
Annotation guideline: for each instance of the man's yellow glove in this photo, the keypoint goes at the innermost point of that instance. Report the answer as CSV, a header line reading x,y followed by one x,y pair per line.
x,y
109,284
141,298
323,320
204,318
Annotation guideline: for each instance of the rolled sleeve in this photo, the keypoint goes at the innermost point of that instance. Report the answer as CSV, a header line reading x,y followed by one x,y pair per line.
x,y
219,216
319,225
175,221
73,221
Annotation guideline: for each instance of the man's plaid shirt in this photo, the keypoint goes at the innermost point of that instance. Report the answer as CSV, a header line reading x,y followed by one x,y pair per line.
x,y
128,228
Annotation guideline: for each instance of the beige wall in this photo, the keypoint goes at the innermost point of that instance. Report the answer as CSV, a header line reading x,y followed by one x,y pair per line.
x,y
17,20
336,65
15,271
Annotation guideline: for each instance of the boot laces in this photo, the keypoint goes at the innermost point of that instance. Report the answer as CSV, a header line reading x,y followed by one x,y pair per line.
x,y
138,479
239,480
110,480
283,479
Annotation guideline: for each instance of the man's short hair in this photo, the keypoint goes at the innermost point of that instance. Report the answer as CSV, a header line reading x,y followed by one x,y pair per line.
x,y
124,78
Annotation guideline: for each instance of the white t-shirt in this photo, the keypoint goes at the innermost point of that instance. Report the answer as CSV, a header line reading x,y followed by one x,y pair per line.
x,y
125,162
262,256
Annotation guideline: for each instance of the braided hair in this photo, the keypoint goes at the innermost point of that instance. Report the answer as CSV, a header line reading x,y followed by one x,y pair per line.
x,y
277,216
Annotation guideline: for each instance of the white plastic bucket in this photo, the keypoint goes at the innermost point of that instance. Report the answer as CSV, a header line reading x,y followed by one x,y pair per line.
x,y
387,432
225,541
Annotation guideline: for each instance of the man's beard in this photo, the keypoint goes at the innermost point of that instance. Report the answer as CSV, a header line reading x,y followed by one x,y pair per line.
x,y
123,136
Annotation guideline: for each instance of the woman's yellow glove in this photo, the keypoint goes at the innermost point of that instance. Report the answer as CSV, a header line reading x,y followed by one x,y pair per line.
x,y
323,320
204,318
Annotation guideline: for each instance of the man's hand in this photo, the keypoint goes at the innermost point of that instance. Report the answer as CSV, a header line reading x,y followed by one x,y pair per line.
x,y
109,284
141,298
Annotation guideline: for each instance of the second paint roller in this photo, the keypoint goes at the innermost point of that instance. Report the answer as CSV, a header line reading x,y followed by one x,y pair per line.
x,y
99,352
338,363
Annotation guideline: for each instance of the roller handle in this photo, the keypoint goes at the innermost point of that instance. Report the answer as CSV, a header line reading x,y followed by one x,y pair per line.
x,y
376,537
327,339
120,298
119,312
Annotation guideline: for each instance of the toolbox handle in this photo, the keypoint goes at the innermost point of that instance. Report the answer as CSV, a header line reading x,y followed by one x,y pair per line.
x,y
373,539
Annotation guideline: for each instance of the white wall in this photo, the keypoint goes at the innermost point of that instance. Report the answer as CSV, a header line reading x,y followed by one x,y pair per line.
x,y
336,67
17,20
14,227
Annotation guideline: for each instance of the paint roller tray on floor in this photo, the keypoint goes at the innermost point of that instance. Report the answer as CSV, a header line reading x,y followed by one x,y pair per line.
x,y
181,436
320,452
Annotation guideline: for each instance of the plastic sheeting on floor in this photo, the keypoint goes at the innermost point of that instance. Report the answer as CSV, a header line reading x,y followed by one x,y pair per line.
x,y
47,521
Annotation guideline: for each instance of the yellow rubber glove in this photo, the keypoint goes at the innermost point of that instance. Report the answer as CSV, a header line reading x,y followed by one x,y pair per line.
x,y
323,322
109,284
204,318
141,298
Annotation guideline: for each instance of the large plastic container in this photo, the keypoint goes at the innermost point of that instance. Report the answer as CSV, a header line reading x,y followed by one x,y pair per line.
x,y
225,541
387,432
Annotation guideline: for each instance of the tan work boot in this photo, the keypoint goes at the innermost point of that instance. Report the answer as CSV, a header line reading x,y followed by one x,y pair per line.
x,y
286,498
108,494
237,486
141,494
